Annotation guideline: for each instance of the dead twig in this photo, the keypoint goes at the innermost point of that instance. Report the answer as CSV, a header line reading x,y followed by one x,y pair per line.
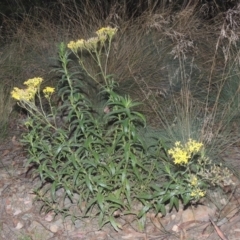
x,y
218,230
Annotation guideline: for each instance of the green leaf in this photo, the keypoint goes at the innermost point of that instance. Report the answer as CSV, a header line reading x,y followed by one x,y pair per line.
x,y
100,219
100,201
128,192
48,173
53,190
176,203
89,185
115,225
143,211
112,168
161,207
166,197
90,204
145,196
186,199
114,199
104,185
68,190
123,178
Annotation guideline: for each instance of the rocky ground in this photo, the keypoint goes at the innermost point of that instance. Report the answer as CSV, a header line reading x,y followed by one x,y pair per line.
x,y
217,218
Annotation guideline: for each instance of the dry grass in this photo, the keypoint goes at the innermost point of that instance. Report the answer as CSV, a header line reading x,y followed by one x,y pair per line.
x,y
183,68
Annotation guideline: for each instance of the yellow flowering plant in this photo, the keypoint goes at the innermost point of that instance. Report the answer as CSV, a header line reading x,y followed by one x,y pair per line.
x,y
101,157
26,99
97,47
98,156
188,175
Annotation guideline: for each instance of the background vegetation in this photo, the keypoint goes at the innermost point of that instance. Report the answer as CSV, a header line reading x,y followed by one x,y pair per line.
x,y
159,46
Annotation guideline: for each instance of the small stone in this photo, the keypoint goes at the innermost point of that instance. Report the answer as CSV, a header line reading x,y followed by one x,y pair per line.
x,y
19,225
223,201
78,224
175,228
54,228
17,211
75,197
60,192
49,217
67,203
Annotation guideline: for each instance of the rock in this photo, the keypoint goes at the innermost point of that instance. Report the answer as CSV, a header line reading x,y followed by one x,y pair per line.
x,y
16,212
78,223
175,228
54,228
19,225
67,203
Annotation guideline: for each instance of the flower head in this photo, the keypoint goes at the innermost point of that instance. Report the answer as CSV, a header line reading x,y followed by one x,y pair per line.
x,y
48,91
78,45
182,153
197,193
91,43
194,181
24,94
106,31
179,155
72,45
193,146
16,93
34,82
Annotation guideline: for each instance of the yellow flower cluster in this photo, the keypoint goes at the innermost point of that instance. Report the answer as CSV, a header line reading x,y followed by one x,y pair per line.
x,y
193,146
182,153
107,31
29,93
23,94
48,91
197,193
74,46
92,43
194,181
33,82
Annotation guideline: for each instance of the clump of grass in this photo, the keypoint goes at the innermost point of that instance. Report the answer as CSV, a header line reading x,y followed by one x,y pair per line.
x,y
198,101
